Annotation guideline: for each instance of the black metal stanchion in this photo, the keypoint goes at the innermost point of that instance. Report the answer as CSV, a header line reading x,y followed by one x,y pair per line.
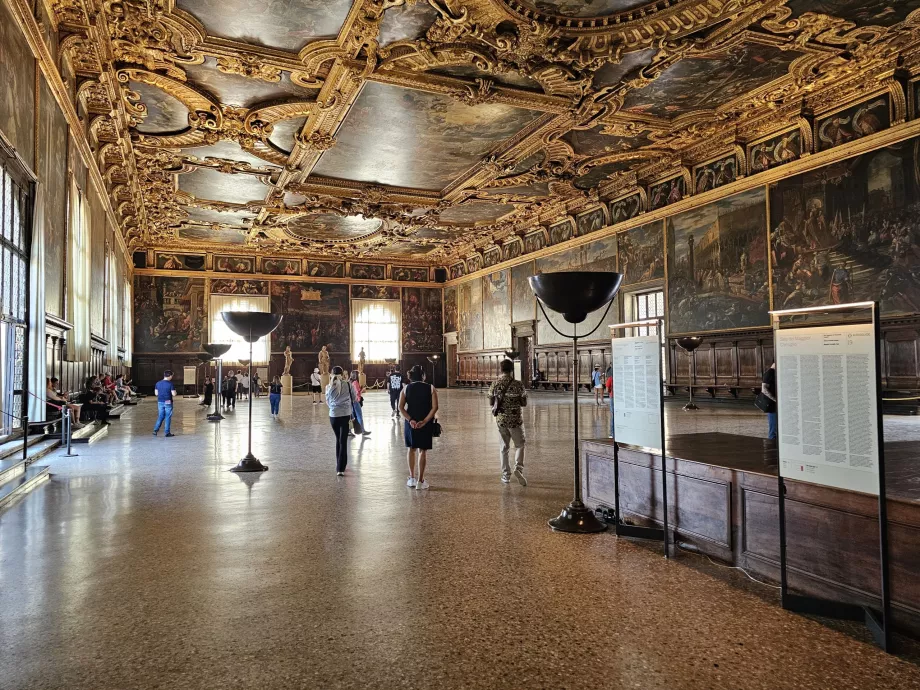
x,y
68,430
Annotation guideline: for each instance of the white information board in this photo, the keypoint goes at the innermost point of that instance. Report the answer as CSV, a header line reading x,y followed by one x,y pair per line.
x,y
828,428
637,391
188,375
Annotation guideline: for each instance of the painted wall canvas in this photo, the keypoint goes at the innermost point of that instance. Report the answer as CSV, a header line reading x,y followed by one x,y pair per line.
x,y
17,74
457,270
640,253
666,193
473,263
368,271
523,303
174,261
715,174
775,151
849,232
232,286
421,320
281,267
169,314
326,269
534,242
450,310
496,310
512,249
624,209
469,310
374,292
234,264
560,232
491,256
315,314
589,221
853,123
411,274
717,265
52,170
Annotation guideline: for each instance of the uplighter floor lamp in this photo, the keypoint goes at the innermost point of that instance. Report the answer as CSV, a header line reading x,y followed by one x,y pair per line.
x,y
575,294
252,325
217,350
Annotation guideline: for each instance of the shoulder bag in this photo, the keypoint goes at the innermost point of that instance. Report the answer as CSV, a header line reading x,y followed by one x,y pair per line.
x,y
435,424
500,399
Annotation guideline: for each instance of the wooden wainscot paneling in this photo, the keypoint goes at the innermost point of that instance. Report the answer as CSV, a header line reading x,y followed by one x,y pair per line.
x,y
479,368
554,363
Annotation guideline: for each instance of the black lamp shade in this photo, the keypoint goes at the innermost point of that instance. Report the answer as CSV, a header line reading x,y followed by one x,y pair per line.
x,y
216,350
205,357
575,294
689,343
252,325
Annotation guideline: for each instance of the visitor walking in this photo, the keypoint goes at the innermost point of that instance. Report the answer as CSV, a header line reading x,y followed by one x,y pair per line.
x,y
597,381
394,387
256,385
610,396
359,403
340,399
239,386
507,396
315,385
274,396
244,385
233,387
768,388
165,391
208,391
418,405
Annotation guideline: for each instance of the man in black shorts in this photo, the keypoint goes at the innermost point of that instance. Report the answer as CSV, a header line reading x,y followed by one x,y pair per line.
x,y
395,385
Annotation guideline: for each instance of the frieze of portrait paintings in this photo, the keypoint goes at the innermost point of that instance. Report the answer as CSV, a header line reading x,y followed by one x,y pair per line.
x,y
853,123
450,310
325,269
666,193
777,150
315,314
589,221
281,267
234,264
173,261
523,302
457,270
231,286
491,256
169,314
717,265
512,249
17,74
368,271
534,242
849,232
561,231
410,274
496,310
599,255
625,208
469,314
473,263
374,292
640,253
421,320
52,171
715,173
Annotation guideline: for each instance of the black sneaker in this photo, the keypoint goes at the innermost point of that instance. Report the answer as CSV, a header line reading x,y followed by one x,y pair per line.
x,y
155,433
169,435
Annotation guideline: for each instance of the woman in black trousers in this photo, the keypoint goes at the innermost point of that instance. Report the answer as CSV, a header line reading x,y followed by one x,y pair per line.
x,y
340,400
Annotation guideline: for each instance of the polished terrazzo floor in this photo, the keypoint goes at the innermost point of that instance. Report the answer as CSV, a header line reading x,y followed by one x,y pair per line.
x,y
144,563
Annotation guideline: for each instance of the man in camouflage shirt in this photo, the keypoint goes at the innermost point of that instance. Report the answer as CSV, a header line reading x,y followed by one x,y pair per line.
x,y
507,397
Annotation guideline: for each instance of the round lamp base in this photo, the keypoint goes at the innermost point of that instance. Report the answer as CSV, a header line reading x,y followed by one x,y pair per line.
x,y
576,518
250,464
691,406
215,417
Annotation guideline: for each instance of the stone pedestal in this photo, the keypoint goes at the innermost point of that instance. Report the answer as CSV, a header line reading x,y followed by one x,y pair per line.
x,y
362,379
324,381
287,384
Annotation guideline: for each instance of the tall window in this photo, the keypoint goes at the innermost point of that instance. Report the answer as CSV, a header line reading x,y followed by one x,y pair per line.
x,y
127,323
221,333
113,327
376,329
650,305
78,345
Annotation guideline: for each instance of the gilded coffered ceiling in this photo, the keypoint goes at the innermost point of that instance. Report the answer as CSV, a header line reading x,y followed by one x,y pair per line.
x,y
430,129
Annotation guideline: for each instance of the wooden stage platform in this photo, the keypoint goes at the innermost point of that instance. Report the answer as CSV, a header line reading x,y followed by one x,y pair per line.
x,y
722,492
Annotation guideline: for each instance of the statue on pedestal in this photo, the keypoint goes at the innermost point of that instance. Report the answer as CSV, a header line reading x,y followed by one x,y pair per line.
x,y
323,361
362,358
288,361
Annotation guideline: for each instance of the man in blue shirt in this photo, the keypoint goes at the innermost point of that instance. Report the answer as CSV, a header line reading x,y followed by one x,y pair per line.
x,y
165,391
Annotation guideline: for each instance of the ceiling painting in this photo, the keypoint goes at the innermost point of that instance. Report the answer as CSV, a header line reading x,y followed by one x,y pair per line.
x,y
340,133
282,24
409,138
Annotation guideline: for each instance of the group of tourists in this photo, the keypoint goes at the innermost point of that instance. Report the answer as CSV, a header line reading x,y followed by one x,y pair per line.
x,y
100,394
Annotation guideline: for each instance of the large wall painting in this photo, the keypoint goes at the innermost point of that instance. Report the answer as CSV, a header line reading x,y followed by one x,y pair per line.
x,y
640,253
469,310
852,123
450,310
421,320
315,314
172,261
374,292
523,303
775,151
717,268
17,74
325,269
624,209
848,232
169,314
52,170
233,286
496,310
600,255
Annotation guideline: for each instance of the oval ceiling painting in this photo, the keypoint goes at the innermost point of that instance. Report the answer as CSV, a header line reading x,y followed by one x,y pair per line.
x,y
328,227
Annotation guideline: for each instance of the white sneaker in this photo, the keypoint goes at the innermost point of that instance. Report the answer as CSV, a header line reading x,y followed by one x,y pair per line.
x,y
412,483
506,479
339,474
519,473
422,485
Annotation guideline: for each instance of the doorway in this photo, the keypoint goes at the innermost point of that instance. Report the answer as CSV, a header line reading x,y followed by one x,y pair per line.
x,y
451,366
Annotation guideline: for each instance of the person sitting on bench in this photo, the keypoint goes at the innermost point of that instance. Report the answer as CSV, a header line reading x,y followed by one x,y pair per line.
x,y
122,391
52,396
93,400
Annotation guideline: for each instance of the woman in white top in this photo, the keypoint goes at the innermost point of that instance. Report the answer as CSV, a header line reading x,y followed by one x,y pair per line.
x,y
315,385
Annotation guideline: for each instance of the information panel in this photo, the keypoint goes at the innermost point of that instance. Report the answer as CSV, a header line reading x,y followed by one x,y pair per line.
x,y
188,375
828,428
637,391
